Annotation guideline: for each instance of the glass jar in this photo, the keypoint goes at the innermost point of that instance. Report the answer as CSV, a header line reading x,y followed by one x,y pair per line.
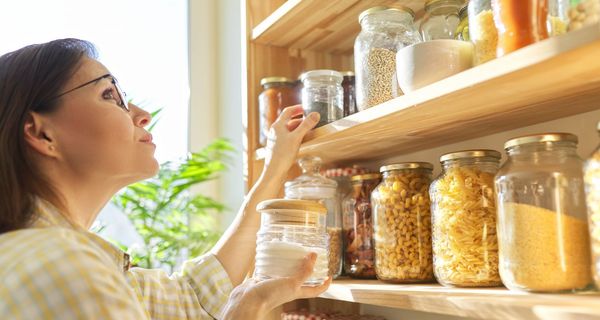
x,y
462,31
402,223
359,249
278,93
289,230
592,191
583,13
349,86
383,32
323,93
558,17
542,224
311,185
441,19
519,23
482,30
463,205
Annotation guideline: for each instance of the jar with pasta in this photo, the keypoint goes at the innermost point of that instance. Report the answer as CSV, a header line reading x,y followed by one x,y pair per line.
x,y
402,223
592,190
543,238
359,250
463,205
482,30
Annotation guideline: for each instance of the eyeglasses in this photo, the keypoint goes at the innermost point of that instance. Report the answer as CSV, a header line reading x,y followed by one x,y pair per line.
x,y
121,101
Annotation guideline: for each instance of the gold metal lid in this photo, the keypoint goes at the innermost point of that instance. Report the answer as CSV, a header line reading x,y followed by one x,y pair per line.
x,y
287,204
540,138
368,176
481,153
407,165
396,8
268,80
432,2
347,73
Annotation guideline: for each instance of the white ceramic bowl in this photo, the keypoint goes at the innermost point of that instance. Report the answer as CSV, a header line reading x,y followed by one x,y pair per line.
x,y
424,63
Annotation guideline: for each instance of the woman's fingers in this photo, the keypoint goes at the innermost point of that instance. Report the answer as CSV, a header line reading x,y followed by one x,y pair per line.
x,y
306,269
288,113
293,124
309,123
311,292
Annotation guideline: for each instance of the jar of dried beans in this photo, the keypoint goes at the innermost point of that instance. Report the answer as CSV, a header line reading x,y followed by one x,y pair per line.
x,y
542,216
402,223
592,190
463,205
359,250
384,31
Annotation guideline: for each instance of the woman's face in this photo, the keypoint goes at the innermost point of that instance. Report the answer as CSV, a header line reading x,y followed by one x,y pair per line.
x,y
96,137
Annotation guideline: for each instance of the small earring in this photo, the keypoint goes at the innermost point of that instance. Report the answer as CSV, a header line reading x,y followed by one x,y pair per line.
x,y
51,148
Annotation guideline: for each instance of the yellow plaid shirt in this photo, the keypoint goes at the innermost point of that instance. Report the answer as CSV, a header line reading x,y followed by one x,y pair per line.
x,y
57,270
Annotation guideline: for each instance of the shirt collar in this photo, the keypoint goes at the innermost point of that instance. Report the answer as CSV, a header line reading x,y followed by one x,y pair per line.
x,y
47,215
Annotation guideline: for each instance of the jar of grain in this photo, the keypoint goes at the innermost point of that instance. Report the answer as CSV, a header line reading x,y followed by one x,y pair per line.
x,y
519,23
583,13
592,191
463,205
289,230
542,221
441,19
558,17
311,185
384,31
482,30
323,93
359,249
402,223
278,93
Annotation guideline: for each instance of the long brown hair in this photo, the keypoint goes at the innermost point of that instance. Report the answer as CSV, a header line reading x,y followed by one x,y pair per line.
x,y
30,79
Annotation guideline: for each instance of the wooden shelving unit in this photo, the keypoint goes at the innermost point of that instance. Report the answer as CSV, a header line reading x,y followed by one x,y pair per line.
x,y
550,80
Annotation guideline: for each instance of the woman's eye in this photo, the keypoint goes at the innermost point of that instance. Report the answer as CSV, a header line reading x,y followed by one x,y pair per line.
x,y
109,94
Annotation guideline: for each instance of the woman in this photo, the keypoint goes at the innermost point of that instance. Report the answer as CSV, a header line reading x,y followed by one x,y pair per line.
x,y
68,142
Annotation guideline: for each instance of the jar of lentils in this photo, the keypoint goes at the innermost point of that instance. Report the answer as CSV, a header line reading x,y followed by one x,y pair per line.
x,y
402,223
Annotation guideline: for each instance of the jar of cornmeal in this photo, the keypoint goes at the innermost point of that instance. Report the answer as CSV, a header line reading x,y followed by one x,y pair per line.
x,y
290,230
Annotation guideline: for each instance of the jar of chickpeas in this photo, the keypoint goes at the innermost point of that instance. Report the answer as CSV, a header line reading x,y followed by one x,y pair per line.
x,y
402,223
465,244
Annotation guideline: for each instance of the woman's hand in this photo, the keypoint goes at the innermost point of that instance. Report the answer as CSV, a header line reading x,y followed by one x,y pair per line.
x,y
285,137
254,299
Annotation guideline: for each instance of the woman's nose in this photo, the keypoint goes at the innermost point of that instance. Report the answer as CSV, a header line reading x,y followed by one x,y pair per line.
x,y
141,118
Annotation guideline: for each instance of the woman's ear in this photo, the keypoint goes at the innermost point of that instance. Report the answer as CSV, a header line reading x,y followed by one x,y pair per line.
x,y
39,136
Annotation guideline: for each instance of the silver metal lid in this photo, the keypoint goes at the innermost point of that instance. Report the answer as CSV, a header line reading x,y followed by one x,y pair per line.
x,y
540,138
406,165
480,153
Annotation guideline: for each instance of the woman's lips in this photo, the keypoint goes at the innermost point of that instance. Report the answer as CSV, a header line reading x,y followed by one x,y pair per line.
x,y
147,138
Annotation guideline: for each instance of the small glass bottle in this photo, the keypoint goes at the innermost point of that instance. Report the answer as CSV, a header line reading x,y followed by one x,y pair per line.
x,y
290,230
441,19
519,23
463,205
542,217
402,223
482,30
592,191
311,185
349,86
278,93
384,31
323,93
359,249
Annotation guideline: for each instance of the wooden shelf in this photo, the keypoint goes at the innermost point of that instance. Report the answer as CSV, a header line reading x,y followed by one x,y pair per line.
x,y
484,303
552,79
326,26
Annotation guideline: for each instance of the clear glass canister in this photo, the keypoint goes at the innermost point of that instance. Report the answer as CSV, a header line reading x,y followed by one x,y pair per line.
x,y
558,17
542,221
289,230
278,93
519,23
359,249
462,31
383,32
441,19
311,185
583,13
592,191
402,223
482,30
349,86
323,93
463,205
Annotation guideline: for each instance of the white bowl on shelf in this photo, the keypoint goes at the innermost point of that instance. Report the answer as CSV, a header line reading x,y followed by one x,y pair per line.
x,y
427,62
